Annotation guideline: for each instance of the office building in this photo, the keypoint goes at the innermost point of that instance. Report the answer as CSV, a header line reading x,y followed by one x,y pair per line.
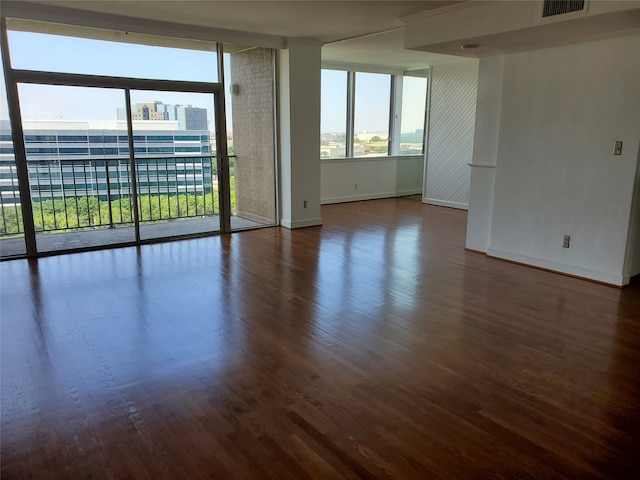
x,y
187,116
66,159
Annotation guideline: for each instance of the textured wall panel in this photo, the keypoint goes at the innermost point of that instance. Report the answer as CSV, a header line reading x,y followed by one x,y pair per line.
x,y
253,134
410,175
451,127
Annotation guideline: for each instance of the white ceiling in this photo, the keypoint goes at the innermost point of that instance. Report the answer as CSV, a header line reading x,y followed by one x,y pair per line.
x,y
356,32
324,21
383,49
367,33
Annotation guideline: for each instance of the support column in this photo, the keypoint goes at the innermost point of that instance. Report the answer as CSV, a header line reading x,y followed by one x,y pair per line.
x,y
299,133
485,153
253,134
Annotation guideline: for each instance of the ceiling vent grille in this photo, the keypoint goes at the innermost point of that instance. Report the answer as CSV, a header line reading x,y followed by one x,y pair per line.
x,y
560,7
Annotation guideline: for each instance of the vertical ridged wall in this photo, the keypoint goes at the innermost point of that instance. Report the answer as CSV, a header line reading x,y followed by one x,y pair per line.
x,y
451,129
253,134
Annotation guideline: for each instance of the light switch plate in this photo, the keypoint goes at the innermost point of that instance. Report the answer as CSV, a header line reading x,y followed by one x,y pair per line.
x,y
617,147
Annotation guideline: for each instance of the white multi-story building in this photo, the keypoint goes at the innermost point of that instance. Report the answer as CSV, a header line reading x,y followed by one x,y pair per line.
x,y
68,159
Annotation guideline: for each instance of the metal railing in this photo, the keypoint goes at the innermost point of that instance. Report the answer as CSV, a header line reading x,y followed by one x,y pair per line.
x,y
86,193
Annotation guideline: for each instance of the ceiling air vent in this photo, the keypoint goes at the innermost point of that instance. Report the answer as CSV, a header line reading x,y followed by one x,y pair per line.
x,y
560,7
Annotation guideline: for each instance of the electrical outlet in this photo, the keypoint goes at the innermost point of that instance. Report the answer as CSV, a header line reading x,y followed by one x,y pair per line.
x,y
566,241
305,204
617,147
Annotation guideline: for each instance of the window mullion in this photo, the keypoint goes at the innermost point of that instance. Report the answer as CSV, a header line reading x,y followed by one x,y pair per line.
x,y
395,115
351,96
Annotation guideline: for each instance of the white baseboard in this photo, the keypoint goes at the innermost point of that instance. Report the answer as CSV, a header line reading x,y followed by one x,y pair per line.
x,y
404,193
357,198
312,222
444,203
617,280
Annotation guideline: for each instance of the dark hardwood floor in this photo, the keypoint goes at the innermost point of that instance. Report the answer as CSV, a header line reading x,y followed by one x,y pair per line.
x,y
371,347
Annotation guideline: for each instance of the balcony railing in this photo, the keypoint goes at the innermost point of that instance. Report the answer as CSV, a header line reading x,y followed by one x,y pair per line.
x,y
85,193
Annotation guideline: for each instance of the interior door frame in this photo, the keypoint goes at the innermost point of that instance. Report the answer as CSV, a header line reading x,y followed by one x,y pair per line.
x,y
14,77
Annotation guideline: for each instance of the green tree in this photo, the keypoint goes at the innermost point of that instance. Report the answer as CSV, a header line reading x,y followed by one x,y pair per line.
x,y
58,214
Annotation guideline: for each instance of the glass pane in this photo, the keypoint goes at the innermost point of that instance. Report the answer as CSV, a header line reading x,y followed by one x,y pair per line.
x,y
57,53
252,165
371,117
414,101
79,174
11,227
333,120
174,145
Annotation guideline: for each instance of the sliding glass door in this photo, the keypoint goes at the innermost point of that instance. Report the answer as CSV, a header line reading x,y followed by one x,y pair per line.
x,y
11,222
79,171
110,164
174,145
129,141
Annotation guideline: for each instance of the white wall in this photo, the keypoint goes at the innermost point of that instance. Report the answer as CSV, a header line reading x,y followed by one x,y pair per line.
x,y
485,152
562,109
299,134
353,179
410,175
452,109
632,262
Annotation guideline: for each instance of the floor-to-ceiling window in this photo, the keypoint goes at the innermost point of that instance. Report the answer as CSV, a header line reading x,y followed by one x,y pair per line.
x,y
78,181
125,140
11,222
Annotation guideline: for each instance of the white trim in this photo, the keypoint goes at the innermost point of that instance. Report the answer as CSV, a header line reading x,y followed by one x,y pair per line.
x,y
441,11
404,193
418,72
427,137
302,41
361,159
357,198
361,67
611,279
481,165
312,222
401,157
395,114
366,35
444,203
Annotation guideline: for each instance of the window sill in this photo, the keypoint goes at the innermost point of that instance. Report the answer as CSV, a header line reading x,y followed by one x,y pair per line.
x,y
368,159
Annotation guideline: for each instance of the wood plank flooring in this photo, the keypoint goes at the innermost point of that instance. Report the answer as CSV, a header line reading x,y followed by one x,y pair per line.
x,y
371,347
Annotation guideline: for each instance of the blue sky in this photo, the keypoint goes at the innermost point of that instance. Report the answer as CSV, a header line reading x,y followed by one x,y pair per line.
x,y
76,55
371,103
53,53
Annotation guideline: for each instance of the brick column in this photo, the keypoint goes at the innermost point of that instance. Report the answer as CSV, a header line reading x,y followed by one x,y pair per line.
x,y
253,134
